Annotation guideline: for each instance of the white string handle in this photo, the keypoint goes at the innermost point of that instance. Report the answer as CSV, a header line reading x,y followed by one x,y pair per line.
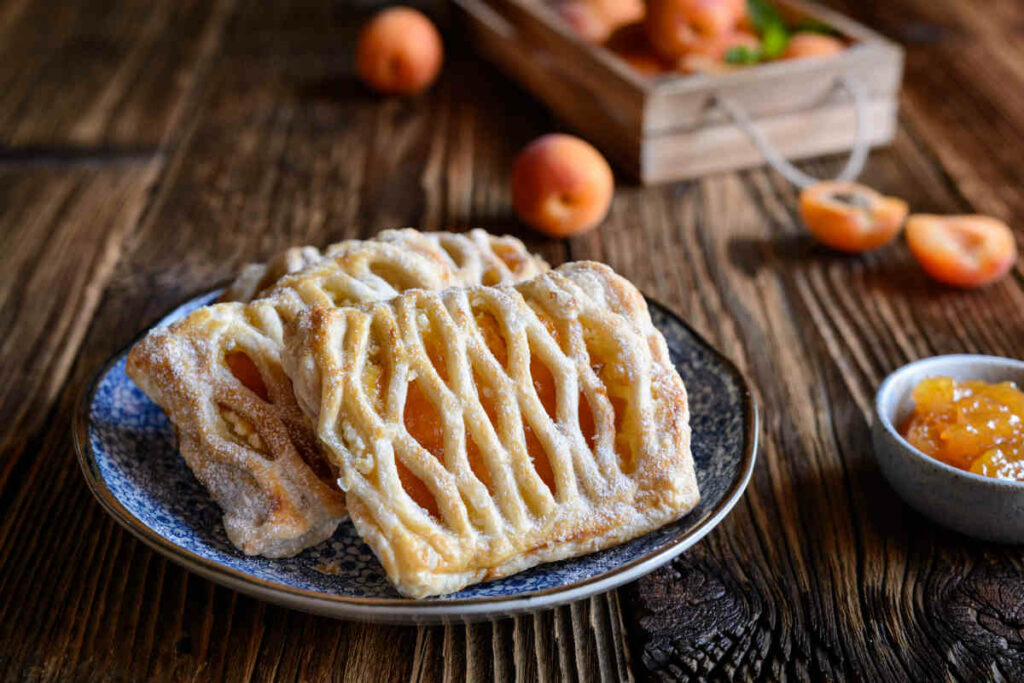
x,y
858,154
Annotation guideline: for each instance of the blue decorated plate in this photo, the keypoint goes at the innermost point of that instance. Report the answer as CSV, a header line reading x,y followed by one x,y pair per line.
x,y
126,448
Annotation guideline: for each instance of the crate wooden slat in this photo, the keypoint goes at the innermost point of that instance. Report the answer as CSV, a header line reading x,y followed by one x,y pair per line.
x,y
667,128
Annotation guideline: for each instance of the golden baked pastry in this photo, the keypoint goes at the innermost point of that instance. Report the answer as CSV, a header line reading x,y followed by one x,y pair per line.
x,y
255,278
480,431
217,374
474,257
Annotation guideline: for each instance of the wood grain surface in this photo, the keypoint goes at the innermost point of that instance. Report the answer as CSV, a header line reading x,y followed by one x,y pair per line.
x,y
150,148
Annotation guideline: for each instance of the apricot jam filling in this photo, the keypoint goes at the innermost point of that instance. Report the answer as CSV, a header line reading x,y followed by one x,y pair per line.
x,y
543,384
424,424
246,372
972,425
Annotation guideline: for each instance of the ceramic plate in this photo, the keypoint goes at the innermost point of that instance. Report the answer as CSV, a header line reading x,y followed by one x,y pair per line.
x,y
126,448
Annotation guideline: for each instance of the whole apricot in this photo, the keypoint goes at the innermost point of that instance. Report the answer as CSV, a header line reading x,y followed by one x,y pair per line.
x,y
716,47
399,52
673,26
561,185
810,44
629,43
963,251
586,20
621,12
851,217
708,55
743,20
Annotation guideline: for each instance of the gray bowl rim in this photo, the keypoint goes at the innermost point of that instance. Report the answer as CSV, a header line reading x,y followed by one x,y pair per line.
x,y
943,361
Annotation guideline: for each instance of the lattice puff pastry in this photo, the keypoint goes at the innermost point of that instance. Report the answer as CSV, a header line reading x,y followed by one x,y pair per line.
x,y
255,278
475,257
217,374
480,431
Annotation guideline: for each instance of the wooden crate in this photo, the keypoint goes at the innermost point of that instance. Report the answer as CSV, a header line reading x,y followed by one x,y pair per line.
x,y
668,127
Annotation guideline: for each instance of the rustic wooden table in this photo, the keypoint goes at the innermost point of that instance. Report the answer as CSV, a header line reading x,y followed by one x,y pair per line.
x,y
148,148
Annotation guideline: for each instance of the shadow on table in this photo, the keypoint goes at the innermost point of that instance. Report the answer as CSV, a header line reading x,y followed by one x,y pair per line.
x,y
341,88
890,269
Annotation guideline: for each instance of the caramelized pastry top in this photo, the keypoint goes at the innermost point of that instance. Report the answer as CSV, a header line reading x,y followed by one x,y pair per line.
x,y
482,430
217,374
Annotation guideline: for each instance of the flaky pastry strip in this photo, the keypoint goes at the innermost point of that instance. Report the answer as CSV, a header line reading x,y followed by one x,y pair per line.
x,y
217,374
479,431
474,257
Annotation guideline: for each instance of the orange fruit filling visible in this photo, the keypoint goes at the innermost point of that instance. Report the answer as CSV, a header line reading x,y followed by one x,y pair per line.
x,y
246,372
423,424
544,385
972,425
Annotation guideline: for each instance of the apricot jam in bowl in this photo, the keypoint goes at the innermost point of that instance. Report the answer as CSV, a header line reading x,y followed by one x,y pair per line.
x,y
948,435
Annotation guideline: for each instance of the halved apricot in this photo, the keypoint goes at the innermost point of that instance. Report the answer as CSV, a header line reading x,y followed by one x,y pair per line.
x,y
963,251
849,216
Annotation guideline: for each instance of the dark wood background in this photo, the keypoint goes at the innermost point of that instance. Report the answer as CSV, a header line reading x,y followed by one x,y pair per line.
x,y
148,148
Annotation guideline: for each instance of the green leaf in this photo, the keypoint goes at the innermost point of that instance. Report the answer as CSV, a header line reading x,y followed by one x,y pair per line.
x,y
774,40
762,14
814,26
741,54
774,35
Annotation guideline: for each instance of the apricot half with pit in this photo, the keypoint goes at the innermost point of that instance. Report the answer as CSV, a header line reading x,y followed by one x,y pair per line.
x,y
963,251
851,217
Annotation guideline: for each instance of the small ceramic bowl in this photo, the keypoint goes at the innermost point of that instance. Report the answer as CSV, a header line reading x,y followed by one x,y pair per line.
x,y
983,507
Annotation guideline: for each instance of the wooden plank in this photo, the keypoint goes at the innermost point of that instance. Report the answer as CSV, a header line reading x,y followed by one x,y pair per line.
x,y
286,148
773,89
670,130
61,232
495,39
796,135
538,25
711,142
821,572
111,73
972,49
